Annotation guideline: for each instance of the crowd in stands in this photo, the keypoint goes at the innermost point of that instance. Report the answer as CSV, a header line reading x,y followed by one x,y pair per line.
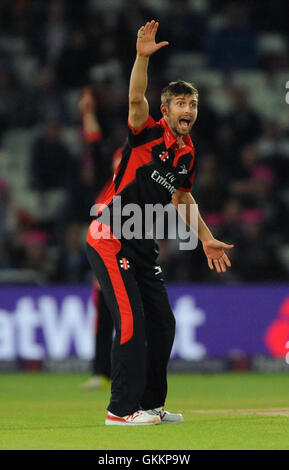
x,y
50,50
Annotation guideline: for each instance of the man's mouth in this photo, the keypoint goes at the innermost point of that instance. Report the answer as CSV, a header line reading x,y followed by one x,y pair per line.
x,y
184,124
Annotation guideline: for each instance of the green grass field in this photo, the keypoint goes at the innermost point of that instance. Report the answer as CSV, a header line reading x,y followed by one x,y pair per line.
x,y
224,411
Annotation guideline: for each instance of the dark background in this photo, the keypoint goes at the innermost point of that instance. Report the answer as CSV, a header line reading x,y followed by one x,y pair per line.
x,y
236,53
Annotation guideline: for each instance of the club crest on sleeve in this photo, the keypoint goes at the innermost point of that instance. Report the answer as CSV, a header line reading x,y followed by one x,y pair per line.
x,y
183,170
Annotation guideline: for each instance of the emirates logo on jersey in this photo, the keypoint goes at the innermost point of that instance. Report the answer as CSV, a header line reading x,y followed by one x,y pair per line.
x,y
124,263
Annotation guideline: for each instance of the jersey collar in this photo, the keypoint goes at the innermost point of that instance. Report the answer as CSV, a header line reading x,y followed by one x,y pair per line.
x,y
169,137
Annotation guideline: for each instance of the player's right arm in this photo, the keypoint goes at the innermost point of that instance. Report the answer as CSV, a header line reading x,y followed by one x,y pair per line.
x,y
145,47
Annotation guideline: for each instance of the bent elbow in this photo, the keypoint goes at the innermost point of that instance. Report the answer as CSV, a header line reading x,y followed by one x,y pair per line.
x,y
182,197
135,98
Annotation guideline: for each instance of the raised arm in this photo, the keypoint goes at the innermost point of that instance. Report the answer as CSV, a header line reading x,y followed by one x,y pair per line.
x,y
145,47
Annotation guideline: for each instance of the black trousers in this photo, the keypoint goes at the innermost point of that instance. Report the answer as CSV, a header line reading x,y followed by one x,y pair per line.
x,y
101,364
144,324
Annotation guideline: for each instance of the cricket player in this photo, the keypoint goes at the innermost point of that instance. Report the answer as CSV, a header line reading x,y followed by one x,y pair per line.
x,y
157,166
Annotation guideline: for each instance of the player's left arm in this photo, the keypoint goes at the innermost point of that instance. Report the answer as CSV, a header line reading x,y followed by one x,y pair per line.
x,y
214,249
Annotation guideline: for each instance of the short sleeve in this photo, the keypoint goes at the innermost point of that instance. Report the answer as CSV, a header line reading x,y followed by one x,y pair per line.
x,y
137,137
187,185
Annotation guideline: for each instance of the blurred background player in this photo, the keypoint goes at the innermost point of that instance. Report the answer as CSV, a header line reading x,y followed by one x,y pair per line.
x,y
101,171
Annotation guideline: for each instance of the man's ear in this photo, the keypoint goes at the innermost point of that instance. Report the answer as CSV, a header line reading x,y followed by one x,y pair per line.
x,y
164,109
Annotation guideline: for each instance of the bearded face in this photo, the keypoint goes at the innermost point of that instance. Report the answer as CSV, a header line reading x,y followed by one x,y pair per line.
x,y
181,113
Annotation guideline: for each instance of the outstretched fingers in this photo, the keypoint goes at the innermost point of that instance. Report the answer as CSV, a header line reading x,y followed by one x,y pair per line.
x,y
155,28
148,32
210,264
147,28
227,246
162,44
217,266
151,26
226,259
222,265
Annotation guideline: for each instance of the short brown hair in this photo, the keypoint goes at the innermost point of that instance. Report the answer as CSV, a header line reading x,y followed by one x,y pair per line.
x,y
177,88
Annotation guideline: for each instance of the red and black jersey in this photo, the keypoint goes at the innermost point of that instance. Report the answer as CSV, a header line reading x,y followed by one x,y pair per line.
x,y
153,166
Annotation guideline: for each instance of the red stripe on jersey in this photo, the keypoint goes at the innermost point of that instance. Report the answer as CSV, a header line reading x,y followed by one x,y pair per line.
x,y
139,156
107,188
107,248
106,196
150,122
185,190
193,160
102,193
182,151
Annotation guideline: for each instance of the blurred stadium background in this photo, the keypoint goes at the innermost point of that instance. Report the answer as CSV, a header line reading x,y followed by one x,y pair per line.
x,y
237,55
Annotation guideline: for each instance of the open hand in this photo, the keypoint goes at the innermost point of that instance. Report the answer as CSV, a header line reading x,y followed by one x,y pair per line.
x,y
214,251
146,44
